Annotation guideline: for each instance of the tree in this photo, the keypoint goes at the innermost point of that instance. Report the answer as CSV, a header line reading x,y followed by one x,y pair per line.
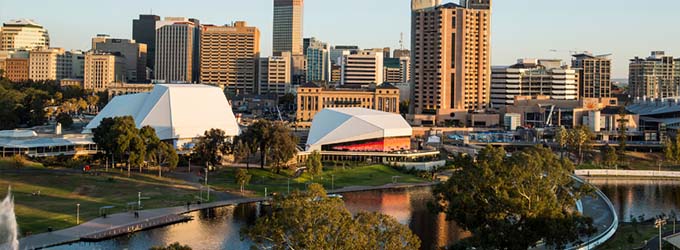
x,y
515,202
242,151
242,178
120,137
158,152
580,139
104,136
609,156
212,147
282,146
65,120
562,139
310,220
314,165
669,150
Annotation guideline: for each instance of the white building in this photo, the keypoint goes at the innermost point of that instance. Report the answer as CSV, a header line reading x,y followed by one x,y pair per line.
x,y
363,68
179,112
533,77
275,74
23,34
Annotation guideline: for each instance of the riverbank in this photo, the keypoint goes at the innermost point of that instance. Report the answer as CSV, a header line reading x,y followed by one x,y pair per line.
x,y
121,223
627,173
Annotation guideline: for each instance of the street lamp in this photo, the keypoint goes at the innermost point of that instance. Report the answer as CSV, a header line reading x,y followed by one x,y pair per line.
x,y
139,200
332,182
659,223
78,214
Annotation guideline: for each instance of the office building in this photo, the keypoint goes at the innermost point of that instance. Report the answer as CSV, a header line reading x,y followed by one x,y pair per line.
x,y
17,69
229,56
336,73
23,34
77,64
102,70
338,51
657,76
275,74
533,77
451,59
363,68
134,54
43,64
399,53
288,26
318,60
175,43
386,52
397,70
312,98
594,75
144,31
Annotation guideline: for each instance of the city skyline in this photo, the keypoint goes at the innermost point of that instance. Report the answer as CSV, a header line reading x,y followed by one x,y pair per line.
x,y
552,26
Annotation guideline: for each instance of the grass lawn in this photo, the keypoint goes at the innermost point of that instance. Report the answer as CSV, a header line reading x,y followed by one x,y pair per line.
x,y
640,161
332,177
60,191
620,240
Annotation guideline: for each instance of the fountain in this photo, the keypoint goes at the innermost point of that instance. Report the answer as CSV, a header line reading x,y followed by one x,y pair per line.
x,y
8,224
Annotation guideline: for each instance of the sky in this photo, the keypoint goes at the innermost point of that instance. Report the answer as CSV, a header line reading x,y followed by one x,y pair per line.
x,y
520,28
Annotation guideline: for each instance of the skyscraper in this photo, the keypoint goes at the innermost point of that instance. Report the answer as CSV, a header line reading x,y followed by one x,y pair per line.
x,y
657,76
594,75
363,68
288,26
318,60
23,34
135,55
451,59
229,56
144,31
102,69
533,77
275,74
175,39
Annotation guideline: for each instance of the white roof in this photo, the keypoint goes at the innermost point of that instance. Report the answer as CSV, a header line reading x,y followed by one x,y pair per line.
x,y
22,22
17,133
339,125
176,111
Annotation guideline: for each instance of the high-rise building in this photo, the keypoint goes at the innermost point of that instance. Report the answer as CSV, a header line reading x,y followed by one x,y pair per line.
x,y
102,70
594,75
135,55
175,42
16,69
451,59
318,60
229,56
275,74
288,26
43,64
23,34
338,51
533,77
657,76
399,53
397,70
363,68
144,31
77,64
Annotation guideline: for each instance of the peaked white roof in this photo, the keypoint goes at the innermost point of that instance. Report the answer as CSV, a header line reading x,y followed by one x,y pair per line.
x,y
176,111
339,125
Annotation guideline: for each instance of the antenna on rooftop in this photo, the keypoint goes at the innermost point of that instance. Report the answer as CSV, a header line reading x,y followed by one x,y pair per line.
x,y
401,40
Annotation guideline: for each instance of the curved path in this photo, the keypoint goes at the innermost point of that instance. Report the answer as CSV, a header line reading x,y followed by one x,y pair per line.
x,y
605,220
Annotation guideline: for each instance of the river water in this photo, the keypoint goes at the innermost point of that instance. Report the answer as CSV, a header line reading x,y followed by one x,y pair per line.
x,y
219,228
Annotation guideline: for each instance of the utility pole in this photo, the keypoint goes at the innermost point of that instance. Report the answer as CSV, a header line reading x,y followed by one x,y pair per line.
x,y
78,214
659,223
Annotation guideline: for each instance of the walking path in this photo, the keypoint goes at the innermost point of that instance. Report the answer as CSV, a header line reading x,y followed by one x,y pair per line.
x,y
123,223
627,173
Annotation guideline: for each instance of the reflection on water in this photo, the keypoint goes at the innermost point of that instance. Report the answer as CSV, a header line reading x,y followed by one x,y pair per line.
x,y
641,197
219,228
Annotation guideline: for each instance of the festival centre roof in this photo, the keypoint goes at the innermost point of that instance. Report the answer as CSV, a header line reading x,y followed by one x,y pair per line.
x,y
340,125
176,111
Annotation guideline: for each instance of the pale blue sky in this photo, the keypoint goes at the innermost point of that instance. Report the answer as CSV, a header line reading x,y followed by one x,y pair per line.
x,y
521,28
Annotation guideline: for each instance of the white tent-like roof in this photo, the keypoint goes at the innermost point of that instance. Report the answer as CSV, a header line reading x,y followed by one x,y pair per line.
x,y
340,125
176,111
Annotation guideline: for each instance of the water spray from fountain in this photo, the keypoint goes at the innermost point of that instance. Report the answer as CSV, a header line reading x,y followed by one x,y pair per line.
x,y
8,224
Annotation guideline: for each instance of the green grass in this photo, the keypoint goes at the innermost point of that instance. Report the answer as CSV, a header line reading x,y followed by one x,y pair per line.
x,y
332,177
643,233
55,207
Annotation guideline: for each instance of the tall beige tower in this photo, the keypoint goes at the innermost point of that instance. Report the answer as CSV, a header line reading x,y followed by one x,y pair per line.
x,y
288,26
103,69
229,56
451,58
594,74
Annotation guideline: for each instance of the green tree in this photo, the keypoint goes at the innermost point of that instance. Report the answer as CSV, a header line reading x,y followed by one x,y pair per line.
x,y
158,152
562,139
104,136
515,202
11,105
282,146
242,151
212,147
65,120
669,150
580,139
609,156
242,178
310,220
314,165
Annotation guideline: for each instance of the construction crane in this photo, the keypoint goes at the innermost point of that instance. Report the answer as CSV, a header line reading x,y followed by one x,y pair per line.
x,y
571,52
